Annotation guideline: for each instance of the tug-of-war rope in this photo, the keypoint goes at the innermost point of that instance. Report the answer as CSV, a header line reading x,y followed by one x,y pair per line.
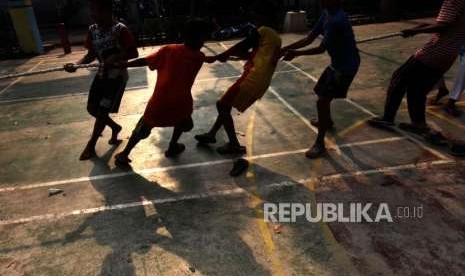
x,y
96,65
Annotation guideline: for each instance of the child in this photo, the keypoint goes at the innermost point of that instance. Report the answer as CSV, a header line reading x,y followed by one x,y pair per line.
x,y
108,41
171,104
425,68
265,44
455,94
335,81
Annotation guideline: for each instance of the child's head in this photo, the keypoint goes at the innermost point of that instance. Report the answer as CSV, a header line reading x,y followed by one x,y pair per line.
x,y
331,4
265,12
101,11
195,33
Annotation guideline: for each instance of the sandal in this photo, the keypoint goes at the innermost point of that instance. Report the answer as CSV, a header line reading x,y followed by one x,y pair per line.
x,y
229,148
122,159
175,150
316,151
380,123
239,167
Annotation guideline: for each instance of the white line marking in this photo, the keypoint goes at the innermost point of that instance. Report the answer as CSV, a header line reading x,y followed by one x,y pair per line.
x,y
151,171
367,111
15,81
145,202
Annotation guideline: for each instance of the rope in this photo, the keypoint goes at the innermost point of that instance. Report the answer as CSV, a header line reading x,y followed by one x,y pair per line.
x,y
379,37
95,65
49,70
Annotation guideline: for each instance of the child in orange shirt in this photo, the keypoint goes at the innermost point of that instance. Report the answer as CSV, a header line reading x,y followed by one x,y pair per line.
x,y
171,104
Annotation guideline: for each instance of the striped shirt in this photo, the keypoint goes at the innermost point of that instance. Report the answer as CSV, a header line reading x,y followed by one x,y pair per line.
x,y
443,49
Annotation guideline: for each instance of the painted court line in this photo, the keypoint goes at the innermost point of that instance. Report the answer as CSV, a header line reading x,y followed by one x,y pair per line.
x,y
15,81
367,111
235,191
151,171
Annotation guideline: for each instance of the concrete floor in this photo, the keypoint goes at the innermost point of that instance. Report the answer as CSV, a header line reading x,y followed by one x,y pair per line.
x,y
186,216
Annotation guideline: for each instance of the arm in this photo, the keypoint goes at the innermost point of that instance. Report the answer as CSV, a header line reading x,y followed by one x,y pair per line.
x,y
241,49
309,39
88,58
140,62
291,54
437,27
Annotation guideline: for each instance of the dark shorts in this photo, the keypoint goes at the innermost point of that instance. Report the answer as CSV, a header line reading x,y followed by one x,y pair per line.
x,y
143,130
333,85
106,93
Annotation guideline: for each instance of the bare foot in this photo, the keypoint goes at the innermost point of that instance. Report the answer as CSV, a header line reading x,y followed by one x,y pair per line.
x,y
114,136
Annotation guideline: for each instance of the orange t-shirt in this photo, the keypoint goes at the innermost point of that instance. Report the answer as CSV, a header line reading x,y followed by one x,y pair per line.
x,y
177,67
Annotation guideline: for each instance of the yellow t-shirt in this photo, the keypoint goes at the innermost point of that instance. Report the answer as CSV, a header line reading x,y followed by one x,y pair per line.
x,y
260,69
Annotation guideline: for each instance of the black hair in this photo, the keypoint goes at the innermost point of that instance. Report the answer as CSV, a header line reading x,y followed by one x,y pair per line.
x,y
105,4
195,32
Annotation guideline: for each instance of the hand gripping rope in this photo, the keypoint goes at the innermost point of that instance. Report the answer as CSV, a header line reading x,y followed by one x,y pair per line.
x,y
96,65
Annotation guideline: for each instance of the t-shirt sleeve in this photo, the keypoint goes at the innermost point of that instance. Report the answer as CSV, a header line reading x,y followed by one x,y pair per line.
x,y
451,10
127,40
155,60
318,28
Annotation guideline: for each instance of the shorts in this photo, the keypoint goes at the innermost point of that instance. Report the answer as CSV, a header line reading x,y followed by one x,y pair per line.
x,y
333,84
237,97
143,130
106,93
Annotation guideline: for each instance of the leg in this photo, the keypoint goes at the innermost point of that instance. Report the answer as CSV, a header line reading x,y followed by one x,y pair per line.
x,y
459,85
416,102
228,123
395,94
176,148
216,126
210,136
142,131
456,93
115,128
99,126
324,118
422,83
442,91
324,123
397,88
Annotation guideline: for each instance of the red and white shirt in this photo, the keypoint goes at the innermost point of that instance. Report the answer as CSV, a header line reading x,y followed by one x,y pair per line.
x,y
105,43
442,50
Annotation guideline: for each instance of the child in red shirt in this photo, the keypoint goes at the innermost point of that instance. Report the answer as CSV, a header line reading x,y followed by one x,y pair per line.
x,y
171,104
